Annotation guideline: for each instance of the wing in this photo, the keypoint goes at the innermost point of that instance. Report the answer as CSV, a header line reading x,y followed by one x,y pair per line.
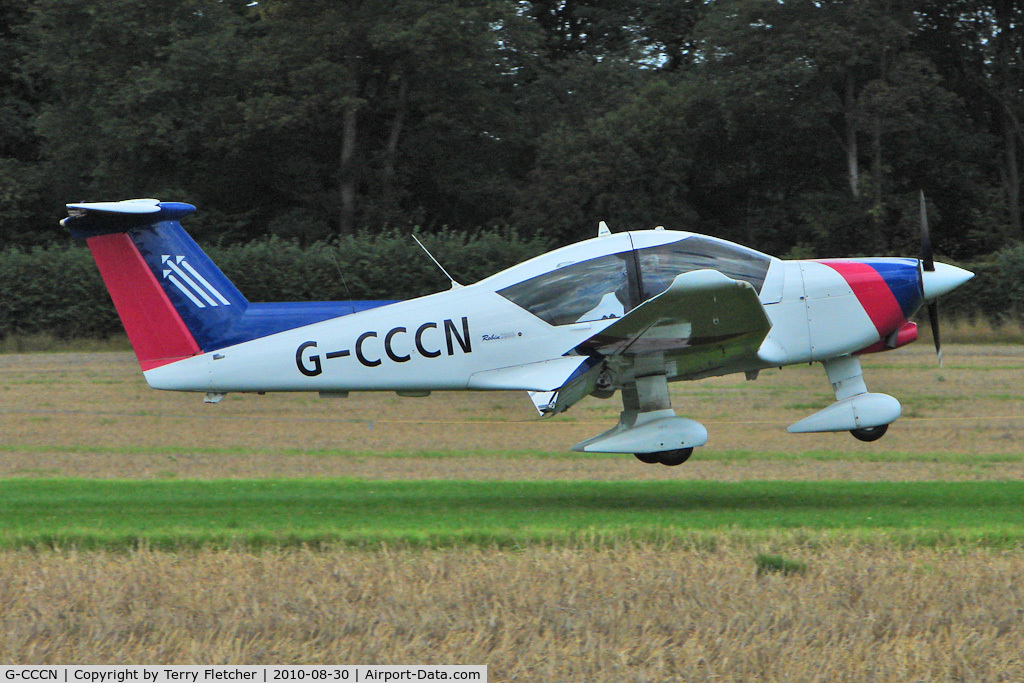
x,y
702,321
554,385
544,376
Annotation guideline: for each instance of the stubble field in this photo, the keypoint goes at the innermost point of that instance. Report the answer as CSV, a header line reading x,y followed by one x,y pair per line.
x,y
539,614
867,601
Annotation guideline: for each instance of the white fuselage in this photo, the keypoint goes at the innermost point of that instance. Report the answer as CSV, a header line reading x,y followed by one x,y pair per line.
x,y
440,341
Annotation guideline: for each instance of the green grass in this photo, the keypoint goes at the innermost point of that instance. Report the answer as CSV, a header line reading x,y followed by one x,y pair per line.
x,y
947,457
273,513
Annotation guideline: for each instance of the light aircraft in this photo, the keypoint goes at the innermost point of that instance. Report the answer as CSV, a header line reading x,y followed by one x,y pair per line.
x,y
627,312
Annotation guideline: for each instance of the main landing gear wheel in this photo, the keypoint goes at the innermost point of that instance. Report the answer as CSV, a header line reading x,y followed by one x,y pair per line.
x,y
870,433
669,458
673,458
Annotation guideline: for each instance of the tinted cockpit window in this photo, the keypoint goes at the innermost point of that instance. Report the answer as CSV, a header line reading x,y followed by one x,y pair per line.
x,y
660,265
580,292
610,286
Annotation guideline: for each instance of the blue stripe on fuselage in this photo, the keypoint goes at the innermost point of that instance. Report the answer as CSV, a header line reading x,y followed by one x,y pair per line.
x,y
262,319
903,280
167,248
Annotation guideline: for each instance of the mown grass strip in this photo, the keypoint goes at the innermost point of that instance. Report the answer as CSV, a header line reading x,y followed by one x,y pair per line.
x,y
948,457
275,513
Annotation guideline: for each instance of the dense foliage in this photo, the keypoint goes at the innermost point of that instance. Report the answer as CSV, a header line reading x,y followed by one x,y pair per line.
x,y
803,124
803,127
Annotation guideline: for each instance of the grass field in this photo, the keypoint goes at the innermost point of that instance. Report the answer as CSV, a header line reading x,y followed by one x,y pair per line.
x,y
432,514
460,529
92,415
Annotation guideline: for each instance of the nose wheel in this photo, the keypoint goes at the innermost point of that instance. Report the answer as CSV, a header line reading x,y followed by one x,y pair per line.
x,y
669,458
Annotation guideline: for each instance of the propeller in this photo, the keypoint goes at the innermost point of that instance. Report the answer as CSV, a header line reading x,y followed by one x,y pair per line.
x,y
927,264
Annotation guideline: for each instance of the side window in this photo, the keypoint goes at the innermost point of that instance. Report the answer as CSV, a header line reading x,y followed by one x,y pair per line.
x,y
580,292
660,265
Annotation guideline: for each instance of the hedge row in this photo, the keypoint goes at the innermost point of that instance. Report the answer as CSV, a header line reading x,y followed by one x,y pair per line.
x,y
57,290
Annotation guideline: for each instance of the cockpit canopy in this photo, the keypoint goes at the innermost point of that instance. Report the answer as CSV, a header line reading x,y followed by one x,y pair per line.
x,y
610,286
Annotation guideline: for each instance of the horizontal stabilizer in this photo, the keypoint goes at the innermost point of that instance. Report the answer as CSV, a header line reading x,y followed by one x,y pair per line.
x,y
124,206
87,219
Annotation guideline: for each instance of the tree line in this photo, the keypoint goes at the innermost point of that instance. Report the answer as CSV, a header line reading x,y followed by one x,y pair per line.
x,y
802,128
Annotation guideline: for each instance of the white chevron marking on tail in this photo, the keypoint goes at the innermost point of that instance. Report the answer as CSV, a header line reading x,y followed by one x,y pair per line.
x,y
211,288
176,266
191,283
177,283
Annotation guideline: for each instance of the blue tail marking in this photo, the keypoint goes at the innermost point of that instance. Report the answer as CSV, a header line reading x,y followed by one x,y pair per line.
x,y
212,308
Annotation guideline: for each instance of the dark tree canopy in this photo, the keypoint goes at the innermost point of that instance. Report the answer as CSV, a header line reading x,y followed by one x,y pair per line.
x,y
804,127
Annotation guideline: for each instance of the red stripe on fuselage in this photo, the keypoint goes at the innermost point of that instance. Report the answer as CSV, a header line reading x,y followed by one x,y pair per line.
x,y
156,331
873,294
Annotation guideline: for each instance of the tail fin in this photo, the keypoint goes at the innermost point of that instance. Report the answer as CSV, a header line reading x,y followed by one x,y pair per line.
x,y
169,295
173,301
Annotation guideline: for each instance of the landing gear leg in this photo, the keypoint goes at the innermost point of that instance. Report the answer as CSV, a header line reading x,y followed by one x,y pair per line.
x,y
846,379
649,394
648,427
865,415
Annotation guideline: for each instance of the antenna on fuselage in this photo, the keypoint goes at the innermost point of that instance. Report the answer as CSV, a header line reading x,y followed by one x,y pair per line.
x,y
602,229
455,284
344,282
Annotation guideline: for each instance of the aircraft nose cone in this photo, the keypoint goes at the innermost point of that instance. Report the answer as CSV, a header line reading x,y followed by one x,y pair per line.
x,y
942,280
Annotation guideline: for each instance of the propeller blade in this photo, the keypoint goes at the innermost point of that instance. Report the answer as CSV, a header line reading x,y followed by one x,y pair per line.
x,y
933,318
927,262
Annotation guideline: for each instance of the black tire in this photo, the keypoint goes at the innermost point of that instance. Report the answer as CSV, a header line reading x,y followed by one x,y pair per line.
x,y
673,458
648,458
870,433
